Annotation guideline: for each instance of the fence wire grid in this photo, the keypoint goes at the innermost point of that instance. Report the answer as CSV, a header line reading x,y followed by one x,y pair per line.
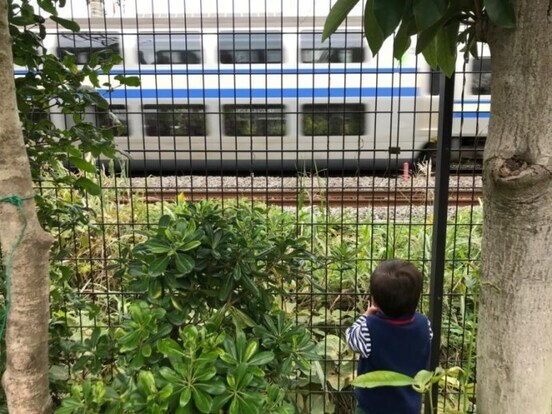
x,y
241,103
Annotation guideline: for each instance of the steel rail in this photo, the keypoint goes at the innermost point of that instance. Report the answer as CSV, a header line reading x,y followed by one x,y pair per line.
x,y
331,197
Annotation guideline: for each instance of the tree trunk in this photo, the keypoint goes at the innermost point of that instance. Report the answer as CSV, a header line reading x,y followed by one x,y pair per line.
x,y
25,380
514,366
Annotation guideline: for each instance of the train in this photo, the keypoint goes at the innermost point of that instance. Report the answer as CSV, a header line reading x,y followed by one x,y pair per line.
x,y
264,94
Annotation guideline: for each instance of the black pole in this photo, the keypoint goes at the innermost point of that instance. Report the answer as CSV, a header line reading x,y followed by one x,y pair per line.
x,y
440,210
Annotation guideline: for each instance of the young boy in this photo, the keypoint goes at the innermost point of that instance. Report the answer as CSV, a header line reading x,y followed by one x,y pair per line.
x,y
391,336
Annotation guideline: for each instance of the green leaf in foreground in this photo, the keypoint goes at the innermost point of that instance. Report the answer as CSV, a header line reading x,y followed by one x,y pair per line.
x,y
68,24
337,14
89,186
382,379
501,12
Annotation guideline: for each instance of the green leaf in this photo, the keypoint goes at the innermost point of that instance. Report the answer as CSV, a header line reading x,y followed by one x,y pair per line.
x,y
83,165
446,47
171,376
68,24
250,286
428,12
388,14
202,400
48,5
128,80
382,379
215,387
157,246
170,348
155,288
146,350
501,12
430,53
252,347
337,14
423,379
190,245
372,31
185,397
184,263
166,392
89,186
206,374
226,288
425,38
147,380
402,41
262,358
159,265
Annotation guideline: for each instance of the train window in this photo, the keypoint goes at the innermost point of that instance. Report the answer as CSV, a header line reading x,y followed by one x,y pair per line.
x,y
333,119
174,120
254,120
481,76
116,118
339,48
250,47
167,49
83,45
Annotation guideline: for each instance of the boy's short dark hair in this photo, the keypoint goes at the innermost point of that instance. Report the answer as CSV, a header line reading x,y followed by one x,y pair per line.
x,y
396,286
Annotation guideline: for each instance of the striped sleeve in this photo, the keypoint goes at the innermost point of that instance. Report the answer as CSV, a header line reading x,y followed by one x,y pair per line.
x,y
358,337
430,330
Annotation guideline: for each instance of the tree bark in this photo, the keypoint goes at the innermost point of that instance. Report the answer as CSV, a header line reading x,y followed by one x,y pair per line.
x,y
514,365
25,380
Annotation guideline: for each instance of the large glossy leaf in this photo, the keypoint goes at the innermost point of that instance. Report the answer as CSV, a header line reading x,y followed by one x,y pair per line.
x,y
428,12
261,358
89,186
48,6
336,16
382,379
446,47
430,53
215,387
83,165
388,14
185,397
206,373
184,263
68,24
159,265
402,41
171,376
202,400
501,12
170,348
372,31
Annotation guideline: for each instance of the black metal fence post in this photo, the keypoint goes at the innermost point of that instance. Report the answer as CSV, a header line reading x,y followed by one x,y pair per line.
x,y
440,212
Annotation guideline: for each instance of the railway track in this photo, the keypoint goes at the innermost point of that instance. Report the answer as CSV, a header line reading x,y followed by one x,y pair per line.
x,y
330,197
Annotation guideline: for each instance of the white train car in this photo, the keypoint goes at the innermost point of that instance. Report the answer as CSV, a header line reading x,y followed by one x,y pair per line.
x,y
263,93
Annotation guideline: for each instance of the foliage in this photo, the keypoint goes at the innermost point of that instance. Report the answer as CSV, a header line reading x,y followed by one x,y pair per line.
x,y
195,342
238,257
56,85
439,25
323,269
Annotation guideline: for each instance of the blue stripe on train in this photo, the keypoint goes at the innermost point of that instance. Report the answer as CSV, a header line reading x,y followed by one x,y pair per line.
x,y
259,93
471,114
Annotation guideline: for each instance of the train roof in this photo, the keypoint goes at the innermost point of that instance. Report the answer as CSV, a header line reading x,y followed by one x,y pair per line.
x,y
195,22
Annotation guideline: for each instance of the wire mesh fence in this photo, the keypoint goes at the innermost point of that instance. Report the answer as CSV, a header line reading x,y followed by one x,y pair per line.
x,y
242,106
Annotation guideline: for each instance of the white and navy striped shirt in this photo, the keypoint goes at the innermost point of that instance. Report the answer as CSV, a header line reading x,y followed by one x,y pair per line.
x,y
358,337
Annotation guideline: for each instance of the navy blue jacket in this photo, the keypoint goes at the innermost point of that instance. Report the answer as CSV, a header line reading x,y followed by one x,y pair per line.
x,y
401,345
